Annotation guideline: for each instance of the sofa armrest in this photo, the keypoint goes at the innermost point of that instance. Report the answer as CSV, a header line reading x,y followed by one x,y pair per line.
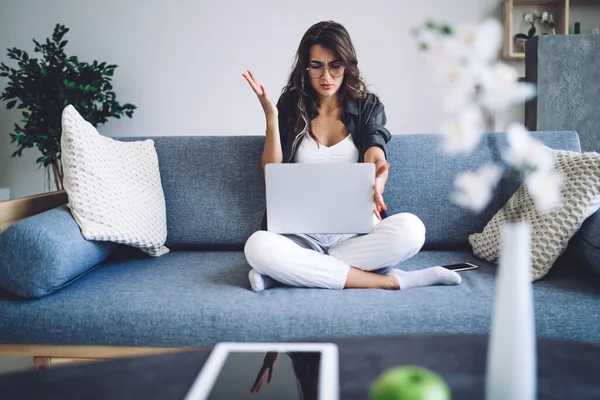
x,y
15,210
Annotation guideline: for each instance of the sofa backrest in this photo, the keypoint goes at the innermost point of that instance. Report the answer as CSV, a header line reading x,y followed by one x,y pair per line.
x,y
214,186
422,178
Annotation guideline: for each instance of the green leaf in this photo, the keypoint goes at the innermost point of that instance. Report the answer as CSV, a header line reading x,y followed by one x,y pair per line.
x,y
532,32
11,104
447,30
62,44
41,160
3,74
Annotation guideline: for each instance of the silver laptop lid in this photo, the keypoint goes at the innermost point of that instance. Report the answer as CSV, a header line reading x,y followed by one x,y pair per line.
x,y
320,198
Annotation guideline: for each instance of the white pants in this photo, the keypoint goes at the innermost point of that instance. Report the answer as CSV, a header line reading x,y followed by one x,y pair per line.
x,y
292,259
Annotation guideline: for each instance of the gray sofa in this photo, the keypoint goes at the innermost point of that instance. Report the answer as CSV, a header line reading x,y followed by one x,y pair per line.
x,y
198,294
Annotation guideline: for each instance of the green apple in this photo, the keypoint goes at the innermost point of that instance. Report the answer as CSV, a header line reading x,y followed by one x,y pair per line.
x,y
410,382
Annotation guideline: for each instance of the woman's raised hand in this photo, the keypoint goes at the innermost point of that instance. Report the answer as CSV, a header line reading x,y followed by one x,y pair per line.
x,y
265,101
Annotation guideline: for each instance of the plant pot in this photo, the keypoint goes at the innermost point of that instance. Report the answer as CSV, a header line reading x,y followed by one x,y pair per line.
x,y
511,361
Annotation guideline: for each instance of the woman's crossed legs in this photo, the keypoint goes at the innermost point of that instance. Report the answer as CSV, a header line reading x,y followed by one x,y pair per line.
x,y
349,264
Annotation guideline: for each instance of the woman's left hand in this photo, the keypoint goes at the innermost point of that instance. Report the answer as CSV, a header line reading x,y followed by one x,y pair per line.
x,y
380,179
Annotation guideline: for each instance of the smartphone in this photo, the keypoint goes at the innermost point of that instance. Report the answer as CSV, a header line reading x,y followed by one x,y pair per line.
x,y
460,267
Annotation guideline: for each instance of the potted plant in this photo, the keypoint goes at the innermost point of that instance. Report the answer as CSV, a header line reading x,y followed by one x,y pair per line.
x,y
547,21
43,87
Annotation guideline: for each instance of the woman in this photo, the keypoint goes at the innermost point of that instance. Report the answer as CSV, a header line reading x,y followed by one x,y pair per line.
x,y
326,114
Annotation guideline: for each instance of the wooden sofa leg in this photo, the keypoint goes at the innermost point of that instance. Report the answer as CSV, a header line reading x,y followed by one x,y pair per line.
x,y
42,362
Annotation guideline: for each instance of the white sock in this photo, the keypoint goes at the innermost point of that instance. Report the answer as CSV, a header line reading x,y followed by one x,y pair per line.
x,y
426,277
259,282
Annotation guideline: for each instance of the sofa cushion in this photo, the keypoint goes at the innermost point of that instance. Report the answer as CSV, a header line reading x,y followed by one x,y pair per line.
x,y
114,188
214,186
551,232
201,298
43,253
584,247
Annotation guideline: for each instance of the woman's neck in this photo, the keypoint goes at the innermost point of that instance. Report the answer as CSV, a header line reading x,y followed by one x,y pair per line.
x,y
328,104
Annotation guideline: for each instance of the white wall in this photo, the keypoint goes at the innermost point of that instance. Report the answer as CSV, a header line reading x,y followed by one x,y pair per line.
x,y
181,61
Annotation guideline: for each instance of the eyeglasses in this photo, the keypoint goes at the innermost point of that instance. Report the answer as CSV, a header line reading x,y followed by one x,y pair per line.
x,y
335,70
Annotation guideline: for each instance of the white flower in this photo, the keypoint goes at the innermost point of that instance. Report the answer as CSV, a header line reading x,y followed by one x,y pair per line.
x,y
480,41
488,40
473,190
544,186
551,19
462,133
501,87
525,151
528,17
459,84
545,16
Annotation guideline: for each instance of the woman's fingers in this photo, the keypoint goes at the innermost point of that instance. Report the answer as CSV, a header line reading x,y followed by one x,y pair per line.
x,y
259,381
377,213
379,199
252,84
252,76
379,205
381,170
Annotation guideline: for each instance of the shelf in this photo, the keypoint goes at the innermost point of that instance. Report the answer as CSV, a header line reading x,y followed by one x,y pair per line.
x,y
560,11
536,2
585,2
561,19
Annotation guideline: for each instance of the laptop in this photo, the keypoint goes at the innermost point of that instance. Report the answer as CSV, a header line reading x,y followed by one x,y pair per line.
x,y
320,198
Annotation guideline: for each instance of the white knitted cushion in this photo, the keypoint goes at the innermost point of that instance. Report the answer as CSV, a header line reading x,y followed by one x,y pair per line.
x,y
114,188
550,232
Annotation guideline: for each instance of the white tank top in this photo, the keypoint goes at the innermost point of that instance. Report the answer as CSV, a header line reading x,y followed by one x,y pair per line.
x,y
309,151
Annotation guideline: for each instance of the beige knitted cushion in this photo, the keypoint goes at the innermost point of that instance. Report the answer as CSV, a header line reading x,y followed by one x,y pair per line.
x,y
114,188
550,232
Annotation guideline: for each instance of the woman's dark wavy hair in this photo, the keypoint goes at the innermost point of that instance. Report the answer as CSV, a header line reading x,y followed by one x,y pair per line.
x,y
334,37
